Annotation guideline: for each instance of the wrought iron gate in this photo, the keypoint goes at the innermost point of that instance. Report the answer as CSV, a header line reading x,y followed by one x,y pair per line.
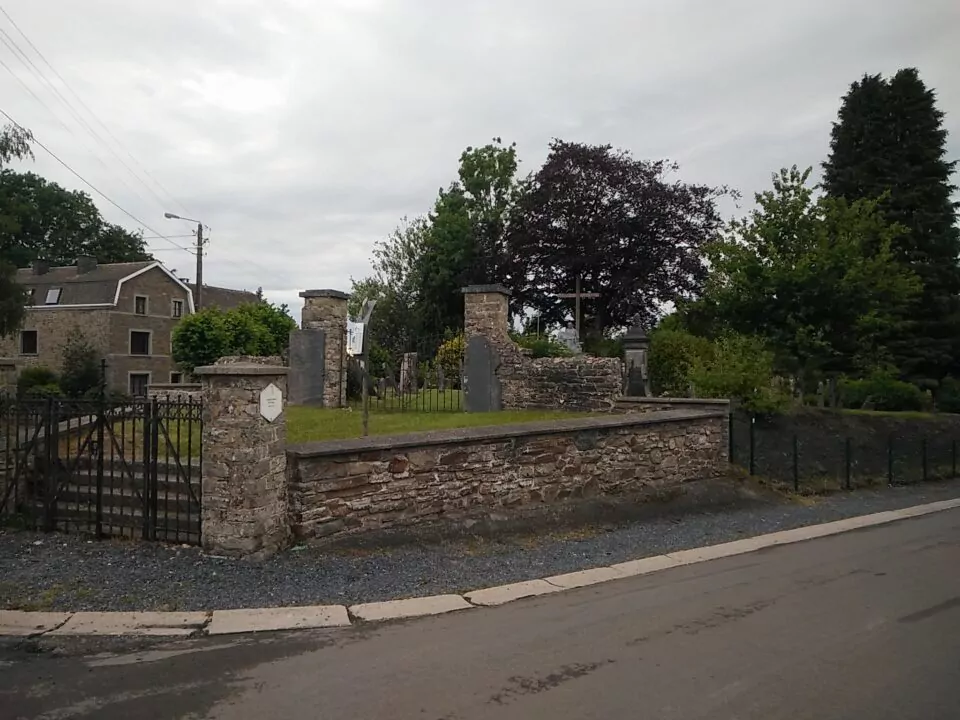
x,y
129,469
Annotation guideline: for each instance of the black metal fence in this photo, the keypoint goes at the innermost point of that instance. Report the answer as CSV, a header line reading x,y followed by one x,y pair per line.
x,y
430,380
818,459
127,469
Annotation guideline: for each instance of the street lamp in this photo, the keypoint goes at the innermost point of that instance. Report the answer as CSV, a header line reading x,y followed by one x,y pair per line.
x,y
198,296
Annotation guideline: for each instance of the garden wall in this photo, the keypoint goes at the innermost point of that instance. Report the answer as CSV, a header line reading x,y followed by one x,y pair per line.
x,y
581,382
656,404
456,475
880,446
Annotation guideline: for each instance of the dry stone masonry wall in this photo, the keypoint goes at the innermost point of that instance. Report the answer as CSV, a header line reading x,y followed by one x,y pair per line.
x,y
578,383
358,485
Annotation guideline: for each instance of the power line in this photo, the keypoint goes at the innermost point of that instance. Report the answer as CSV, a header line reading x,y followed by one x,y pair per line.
x,y
95,117
91,185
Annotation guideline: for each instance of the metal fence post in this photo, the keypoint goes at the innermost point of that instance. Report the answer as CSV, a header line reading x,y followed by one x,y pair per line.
x,y
953,458
890,459
923,452
796,463
846,461
730,448
753,463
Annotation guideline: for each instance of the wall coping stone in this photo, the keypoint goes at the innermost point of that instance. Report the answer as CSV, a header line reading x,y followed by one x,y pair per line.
x,y
459,436
175,386
325,293
675,401
241,369
483,289
7,362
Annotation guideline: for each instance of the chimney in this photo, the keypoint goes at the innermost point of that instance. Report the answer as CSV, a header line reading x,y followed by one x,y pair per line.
x,y
41,267
85,264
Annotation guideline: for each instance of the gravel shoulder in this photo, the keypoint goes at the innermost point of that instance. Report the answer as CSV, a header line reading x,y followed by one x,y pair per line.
x,y
69,572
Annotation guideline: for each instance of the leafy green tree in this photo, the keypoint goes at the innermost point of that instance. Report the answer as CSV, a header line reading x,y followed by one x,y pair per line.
x,y
467,239
741,368
815,278
14,144
395,284
45,221
673,353
250,329
623,226
889,142
80,371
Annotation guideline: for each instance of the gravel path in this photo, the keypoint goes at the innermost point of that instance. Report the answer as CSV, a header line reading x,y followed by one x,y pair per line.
x,y
64,572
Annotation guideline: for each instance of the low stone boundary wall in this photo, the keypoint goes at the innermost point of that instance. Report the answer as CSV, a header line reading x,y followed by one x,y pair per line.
x,y
658,404
175,391
377,483
570,383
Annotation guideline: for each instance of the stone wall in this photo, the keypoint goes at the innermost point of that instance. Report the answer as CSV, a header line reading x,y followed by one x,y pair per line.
x,y
8,374
448,476
580,383
177,392
656,404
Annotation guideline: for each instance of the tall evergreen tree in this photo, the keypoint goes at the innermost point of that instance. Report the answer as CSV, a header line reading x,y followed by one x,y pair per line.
x,y
889,142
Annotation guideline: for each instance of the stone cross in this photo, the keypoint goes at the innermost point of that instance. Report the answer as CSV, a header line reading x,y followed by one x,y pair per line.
x,y
577,295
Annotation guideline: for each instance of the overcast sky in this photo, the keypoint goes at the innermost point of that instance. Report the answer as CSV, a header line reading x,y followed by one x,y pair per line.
x,y
301,131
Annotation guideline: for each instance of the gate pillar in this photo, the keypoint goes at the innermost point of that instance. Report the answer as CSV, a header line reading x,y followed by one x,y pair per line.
x,y
327,310
244,500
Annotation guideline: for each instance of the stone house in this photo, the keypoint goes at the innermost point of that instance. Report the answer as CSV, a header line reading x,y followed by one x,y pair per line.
x,y
126,311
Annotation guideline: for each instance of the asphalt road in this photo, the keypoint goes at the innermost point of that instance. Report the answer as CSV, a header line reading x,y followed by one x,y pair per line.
x,y
860,625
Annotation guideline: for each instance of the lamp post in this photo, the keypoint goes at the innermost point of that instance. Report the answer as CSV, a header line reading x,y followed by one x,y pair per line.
x,y
198,296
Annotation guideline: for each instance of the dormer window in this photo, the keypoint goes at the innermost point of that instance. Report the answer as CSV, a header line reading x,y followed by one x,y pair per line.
x,y
53,296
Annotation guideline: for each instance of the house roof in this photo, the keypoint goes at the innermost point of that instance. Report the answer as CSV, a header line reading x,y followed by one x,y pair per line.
x,y
223,298
99,286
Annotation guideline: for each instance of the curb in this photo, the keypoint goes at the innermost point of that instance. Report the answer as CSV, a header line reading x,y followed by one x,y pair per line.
x,y
17,623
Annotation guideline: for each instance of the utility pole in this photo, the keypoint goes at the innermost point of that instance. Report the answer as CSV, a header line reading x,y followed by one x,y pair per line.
x,y
198,295
198,300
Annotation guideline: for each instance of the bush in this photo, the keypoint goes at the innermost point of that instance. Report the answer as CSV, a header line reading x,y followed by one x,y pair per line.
x,y
542,346
673,354
80,375
450,359
881,391
739,367
948,396
32,378
603,347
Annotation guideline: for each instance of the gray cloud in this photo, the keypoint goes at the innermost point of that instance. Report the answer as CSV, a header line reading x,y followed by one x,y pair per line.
x,y
301,132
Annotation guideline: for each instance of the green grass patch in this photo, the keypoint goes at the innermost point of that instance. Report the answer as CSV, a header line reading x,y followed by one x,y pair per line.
x,y
425,400
305,424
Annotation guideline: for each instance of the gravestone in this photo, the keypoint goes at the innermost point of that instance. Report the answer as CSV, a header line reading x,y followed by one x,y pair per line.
x,y
568,338
482,392
305,381
408,373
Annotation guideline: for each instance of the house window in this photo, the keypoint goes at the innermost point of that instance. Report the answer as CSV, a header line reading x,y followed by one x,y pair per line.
x,y
140,305
28,342
177,311
139,383
53,296
139,342
176,378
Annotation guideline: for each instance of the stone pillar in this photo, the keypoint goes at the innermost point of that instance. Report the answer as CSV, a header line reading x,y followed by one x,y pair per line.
x,y
327,310
244,501
492,361
486,311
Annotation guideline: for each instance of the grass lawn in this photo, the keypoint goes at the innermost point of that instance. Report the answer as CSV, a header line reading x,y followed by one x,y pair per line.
x,y
309,423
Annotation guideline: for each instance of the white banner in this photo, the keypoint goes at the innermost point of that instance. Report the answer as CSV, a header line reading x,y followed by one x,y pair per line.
x,y
354,338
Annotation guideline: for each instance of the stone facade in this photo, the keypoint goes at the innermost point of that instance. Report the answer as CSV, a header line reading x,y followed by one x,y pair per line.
x,y
373,483
8,374
327,310
177,392
244,460
579,383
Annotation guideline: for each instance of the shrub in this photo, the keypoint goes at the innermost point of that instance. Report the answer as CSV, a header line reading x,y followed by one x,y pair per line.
x,y
881,391
603,347
739,367
449,358
80,375
673,354
542,346
948,396
36,377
